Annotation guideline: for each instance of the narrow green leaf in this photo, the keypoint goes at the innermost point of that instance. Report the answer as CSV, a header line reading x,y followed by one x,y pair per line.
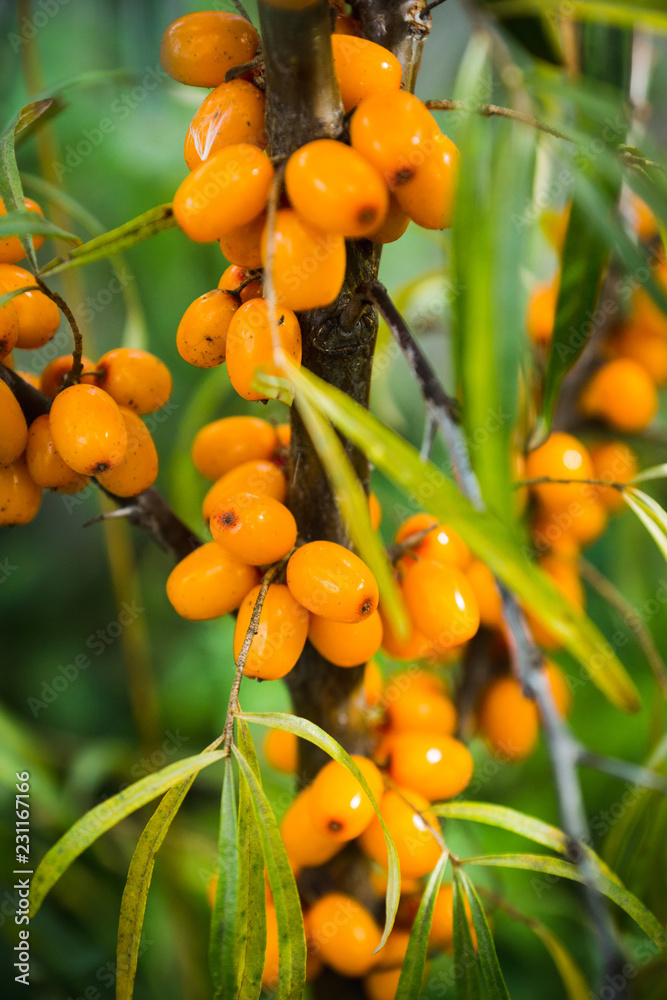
x,y
309,731
20,223
635,499
222,948
655,472
484,533
488,958
623,15
563,869
8,296
11,189
466,958
414,964
250,927
107,814
573,978
145,226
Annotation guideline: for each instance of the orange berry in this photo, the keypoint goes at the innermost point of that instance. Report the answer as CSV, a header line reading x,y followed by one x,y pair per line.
x,y
416,647
198,49
643,219
305,844
580,526
308,265
441,934
234,276
228,190
332,582
623,394
258,477
201,337
271,970
45,465
441,545
428,196
396,221
565,574
284,432
392,955
88,429
541,311
11,250
134,378
616,462
257,529
346,645
281,634
373,683
334,188
406,815
392,131
345,933
281,750
420,708
382,984
9,330
338,804
560,457
14,427
38,315
78,484
646,347
441,602
52,377
645,313
226,443
243,244
139,467
230,114
363,68
438,767
507,720
209,583
20,497
251,345
375,511
487,595
28,377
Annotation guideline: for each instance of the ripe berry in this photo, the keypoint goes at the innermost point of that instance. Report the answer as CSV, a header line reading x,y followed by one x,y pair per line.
x,y
134,378
202,333
346,645
375,511
335,189
647,348
643,220
438,767
209,583
243,244
487,595
421,707
14,427
20,497
282,751
9,330
416,647
441,602
198,49
541,311
139,467
363,68
230,114
38,315
373,683
382,984
226,443
441,545
332,582
305,844
392,955
281,634
406,815
251,477
251,344
441,934
616,462
45,465
585,522
234,276
308,265
228,190
271,971
11,250
88,429
257,529
428,196
395,223
345,934
338,804
623,394
391,131
509,721
560,457
646,315
52,377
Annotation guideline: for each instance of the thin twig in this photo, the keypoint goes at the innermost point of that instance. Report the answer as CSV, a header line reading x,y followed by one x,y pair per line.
x,y
74,373
495,110
430,430
399,549
540,480
236,71
241,9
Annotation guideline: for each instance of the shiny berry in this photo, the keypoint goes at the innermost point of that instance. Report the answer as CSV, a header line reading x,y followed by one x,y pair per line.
x,y
409,822
308,265
14,429
11,250
209,583
363,68
441,602
257,529
346,645
282,751
201,337
88,429
45,465
139,467
134,378
38,315
20,497
256,477
616,462
441,544
623,394
438,767
198,49
392,131
428,195
281,633
230,114
52,377
345,934
252,343
235,276
561,456
305,844
332,582
226,443
243,244
338,804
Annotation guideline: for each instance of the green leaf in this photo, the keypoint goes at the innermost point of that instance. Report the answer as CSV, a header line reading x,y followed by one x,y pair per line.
x,y
484,533
655,521
8,296
623,15
488,959
107,814
563,869
20,223
466,958
414,964
574,980
655,472
145,226
309,731
11,190
250,927
222,950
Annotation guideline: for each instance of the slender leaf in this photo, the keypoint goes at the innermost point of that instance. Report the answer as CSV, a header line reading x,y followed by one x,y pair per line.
x,y
635,501
222,949
414,964
488,959
573,979
8,296
469,985
19,223
622,14
655,472
309,731
107,814
11,189
250,928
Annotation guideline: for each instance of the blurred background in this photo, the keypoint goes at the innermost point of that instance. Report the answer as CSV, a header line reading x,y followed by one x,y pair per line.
x,y
90,703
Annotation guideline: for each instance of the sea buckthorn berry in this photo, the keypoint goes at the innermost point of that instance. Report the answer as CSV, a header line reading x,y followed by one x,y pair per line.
x,y
645,313
305,844
642,218
308,265
392,130
226,443
508,721
373,683
45,465
281,750
392,955
647,348
363,68
11,250
235,276
258,477
201,337
441,602
281,633
335,189
332,582
420,708
560,457
198,49
345,934
251,345
441,934
617,463
134,378
581,526
209,583
541,311
382,984
139,467
257,529
406,815
52,377
9,330
14,429
396,221
428,196
338,804
375,511
438,767
228,190
622,393
346,645
271,969
564,572
38,315
230,114
416,647
78,484
20,497
88,429
441,544
487,595
243,244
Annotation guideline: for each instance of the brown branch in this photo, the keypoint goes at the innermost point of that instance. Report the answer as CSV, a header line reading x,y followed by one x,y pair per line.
x,y
495,110
236,71
74,373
